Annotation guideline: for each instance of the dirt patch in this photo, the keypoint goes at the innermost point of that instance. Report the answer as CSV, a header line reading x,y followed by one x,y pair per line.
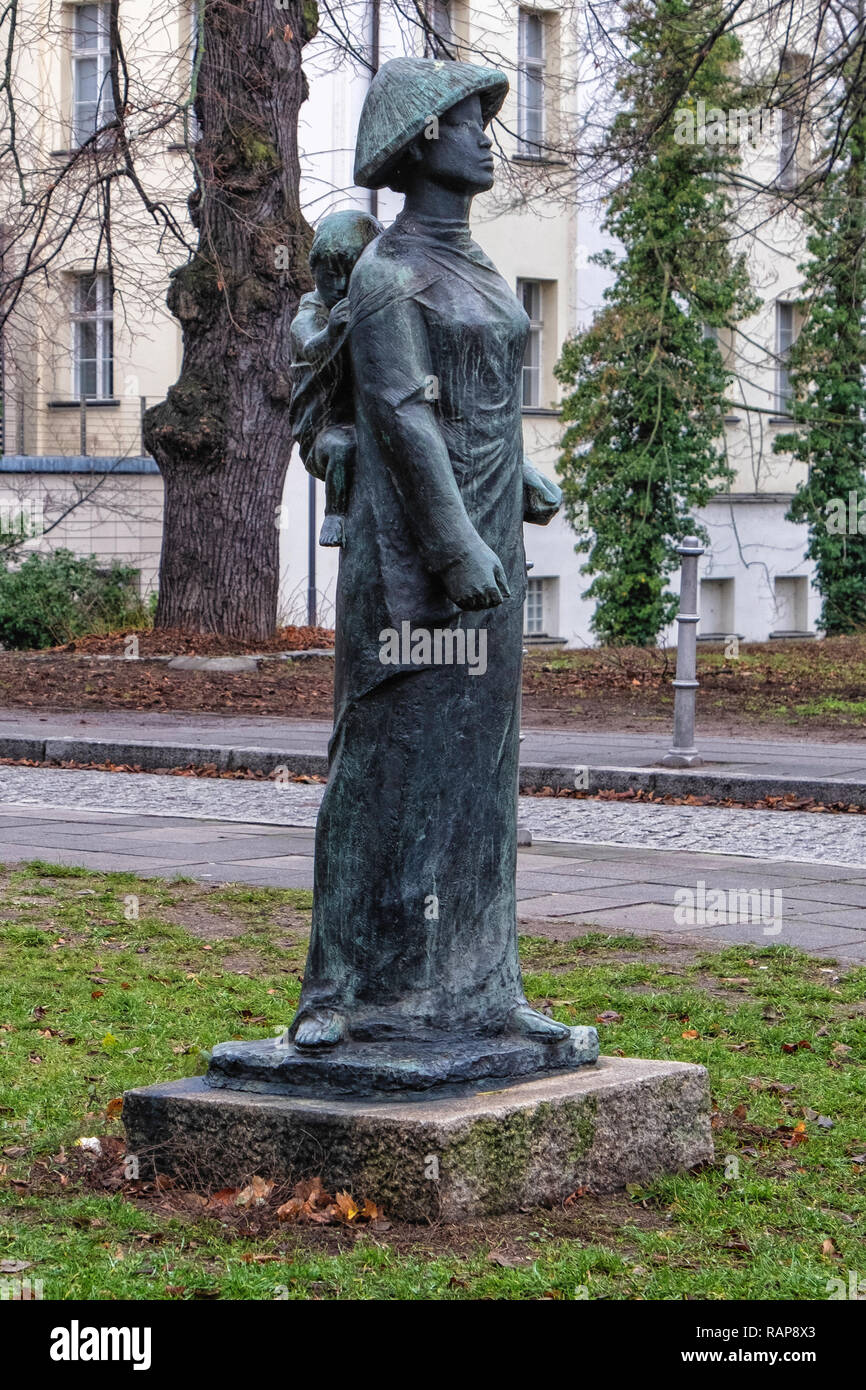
x,y
782,689
177,642
204,923
514,1240
302,690
245,963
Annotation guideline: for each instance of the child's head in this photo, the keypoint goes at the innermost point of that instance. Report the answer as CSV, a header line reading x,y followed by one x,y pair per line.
x,y
340,238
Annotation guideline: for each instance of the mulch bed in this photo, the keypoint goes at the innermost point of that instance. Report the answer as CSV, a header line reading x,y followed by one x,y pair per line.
x,y
763,692
176,642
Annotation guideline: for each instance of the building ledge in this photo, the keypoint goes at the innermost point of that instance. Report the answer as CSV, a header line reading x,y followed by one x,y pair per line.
x,y
74,463
791,636
781,420
747,497
90,403
541,639
540,410
538,159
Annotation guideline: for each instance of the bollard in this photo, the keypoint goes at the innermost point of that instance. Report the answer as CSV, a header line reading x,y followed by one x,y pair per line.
x,y
683,752
524,834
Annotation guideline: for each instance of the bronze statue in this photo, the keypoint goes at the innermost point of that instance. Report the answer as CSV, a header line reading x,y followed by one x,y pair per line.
x,y
412,978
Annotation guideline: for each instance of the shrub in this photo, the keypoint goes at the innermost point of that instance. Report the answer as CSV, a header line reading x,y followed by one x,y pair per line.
x,y
52,597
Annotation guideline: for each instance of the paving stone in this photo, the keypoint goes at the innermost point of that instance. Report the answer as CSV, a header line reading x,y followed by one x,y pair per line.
x,y
568,904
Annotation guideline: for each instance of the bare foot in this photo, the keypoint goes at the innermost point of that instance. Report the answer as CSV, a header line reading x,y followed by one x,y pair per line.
x,y
538,1026
324,1028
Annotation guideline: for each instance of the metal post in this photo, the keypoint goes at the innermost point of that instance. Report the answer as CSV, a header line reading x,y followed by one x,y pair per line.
x,y
142,407
524,834
311,553
683,752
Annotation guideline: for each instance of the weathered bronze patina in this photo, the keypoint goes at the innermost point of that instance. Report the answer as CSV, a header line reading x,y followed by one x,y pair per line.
x,y
413,979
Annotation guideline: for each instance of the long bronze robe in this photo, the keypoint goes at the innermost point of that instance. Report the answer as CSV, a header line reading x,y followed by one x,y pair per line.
x,y
414,919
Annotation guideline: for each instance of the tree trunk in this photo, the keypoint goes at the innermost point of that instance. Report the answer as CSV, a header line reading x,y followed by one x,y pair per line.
x,y
221,438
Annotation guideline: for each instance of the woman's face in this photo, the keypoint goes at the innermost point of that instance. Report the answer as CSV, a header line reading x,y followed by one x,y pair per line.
x,y
459,158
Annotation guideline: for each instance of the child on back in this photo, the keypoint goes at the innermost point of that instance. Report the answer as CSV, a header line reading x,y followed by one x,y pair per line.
x,y
321,404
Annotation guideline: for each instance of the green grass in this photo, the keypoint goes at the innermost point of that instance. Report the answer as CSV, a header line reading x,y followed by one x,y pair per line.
x,y
817,709
126,1000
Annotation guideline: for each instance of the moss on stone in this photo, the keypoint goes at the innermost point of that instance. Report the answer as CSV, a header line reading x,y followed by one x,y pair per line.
x,y
495,1155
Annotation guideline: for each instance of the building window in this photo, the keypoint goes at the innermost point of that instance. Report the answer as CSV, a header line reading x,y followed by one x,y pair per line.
x,y
785,335
791,121
529,292
194,131
717,608
789,172
93,338
92,102
791,594
439,38
542,602
535,608
530,84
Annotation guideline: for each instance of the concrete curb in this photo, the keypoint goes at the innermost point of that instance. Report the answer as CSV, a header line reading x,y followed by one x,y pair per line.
x,y
703,781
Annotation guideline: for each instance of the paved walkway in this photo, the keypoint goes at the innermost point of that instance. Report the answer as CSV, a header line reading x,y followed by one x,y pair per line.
x,y
546,747
208,830
792,835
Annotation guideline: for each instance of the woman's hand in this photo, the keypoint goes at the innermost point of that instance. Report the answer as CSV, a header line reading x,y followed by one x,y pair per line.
x,y
476,579
542,498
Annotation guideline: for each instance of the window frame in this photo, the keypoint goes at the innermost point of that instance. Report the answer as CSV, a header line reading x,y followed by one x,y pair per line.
x,y
535,603
784,392
441,43
788,173
100,52
102,316
530,139
534,341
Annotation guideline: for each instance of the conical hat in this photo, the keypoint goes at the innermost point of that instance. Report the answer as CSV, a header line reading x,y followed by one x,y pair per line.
x,y
404,96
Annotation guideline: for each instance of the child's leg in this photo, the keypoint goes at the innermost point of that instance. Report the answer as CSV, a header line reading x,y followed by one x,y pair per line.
x,y
338,445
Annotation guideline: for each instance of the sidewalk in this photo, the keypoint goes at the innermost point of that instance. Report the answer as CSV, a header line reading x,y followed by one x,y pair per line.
x,y
564,890
738,768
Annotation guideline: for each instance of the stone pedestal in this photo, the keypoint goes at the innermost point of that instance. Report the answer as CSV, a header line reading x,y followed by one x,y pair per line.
x,y
479,1152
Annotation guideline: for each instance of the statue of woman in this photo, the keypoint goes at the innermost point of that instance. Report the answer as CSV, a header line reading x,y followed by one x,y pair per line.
x,y
414,938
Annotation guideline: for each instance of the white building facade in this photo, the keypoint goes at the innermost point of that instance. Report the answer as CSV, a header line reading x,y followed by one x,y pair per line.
x,y
537,226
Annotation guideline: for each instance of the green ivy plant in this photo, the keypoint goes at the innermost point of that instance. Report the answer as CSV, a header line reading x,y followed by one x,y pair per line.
x,y
645,405
826,368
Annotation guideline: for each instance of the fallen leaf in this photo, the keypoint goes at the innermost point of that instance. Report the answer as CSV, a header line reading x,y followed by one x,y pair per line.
x,y
346,1206
257,1191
